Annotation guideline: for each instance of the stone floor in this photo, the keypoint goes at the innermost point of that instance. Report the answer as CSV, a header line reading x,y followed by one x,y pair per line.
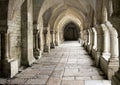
x,y
68,64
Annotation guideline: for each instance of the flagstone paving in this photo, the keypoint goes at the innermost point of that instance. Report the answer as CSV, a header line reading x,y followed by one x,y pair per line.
x,y
67,64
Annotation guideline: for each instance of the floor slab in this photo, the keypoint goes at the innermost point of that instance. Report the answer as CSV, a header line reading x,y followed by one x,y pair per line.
x,y
67,64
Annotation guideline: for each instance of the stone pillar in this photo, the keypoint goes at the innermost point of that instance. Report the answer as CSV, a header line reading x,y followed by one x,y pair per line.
x,y
91,37
56,39
106,50
116,77
61,37
46,46
81,40
113,63
86,38
9,65
79,37
94,48
36,50
95,38
52,44
99,44
27,57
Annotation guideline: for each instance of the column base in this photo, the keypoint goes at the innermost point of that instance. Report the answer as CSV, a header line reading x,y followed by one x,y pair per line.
x,y
106,56
10,68
97,56
46,48
85,46
113,66
81,42
37,53
116,78
52,45
89,48
56,43
28,60
104,62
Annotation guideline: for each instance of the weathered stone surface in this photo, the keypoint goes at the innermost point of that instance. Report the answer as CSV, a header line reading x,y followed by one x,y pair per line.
x,y
69,82
17,81
3,81
69,78
36,81
97,82
94,23
53,81
55,68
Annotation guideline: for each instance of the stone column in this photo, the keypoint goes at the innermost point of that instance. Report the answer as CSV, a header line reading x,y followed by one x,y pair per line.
x,y
95,38
7,62
98,48
91,37
61,39
56,41
36,49
52,39
46,47
27,57
106,50
88,40
116,77
94,48
81,40
113,63
79,37
85,38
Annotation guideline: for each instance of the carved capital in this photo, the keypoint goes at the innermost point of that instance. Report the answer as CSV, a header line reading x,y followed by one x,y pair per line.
x,y
51,32
45,31
35,31
56,32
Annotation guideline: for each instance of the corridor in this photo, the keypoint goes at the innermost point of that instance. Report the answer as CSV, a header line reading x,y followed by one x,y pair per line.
x,y
67,64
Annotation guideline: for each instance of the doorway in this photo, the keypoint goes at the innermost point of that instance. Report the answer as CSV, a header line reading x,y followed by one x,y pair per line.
x,y
71,32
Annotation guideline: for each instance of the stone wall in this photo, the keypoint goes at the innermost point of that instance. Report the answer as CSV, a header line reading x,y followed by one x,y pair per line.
x,y
14,37
18,39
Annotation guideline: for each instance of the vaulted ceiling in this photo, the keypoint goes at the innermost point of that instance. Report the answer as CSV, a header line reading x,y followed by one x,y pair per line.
x,y
50,10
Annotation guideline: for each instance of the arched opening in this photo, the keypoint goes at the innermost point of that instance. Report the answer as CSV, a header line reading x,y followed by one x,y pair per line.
x,y
26,34
3,33
71,32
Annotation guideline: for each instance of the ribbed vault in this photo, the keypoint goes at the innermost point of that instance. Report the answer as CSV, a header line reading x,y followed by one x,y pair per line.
x,y
49,11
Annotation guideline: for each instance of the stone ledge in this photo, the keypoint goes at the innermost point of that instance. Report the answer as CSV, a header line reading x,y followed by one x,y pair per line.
x,y
10,68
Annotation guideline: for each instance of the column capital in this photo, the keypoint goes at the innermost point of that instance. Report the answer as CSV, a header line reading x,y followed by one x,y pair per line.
x,y
51,32
34,25
56,32
45,31
35,31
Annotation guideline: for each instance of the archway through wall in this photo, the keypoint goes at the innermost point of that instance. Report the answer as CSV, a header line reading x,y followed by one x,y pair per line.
x,y
71,32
